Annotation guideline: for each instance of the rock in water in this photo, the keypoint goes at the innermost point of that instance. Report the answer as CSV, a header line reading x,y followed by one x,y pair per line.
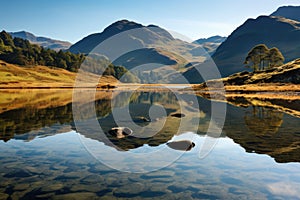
x,y
181,145
178,115
120,132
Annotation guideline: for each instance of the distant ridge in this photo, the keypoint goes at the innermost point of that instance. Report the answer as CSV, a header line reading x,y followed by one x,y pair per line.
x,y
210,44
214,39
42,41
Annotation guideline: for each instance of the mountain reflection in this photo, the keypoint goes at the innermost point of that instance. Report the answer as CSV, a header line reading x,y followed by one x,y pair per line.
x,y
259,126
150,124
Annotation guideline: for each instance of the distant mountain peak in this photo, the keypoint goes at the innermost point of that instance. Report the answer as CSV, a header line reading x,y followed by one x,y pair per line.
x,y
214,39
154,26
122,25
24,35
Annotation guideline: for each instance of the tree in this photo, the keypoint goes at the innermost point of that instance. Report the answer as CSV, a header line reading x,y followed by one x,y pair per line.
x,y
257,56
275,57
4,48
7,39
261,57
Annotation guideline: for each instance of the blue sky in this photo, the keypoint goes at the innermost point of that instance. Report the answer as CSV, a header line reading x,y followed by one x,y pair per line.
x,y
72,20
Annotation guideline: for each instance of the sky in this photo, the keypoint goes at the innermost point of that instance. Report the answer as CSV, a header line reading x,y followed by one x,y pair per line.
x,y
71,20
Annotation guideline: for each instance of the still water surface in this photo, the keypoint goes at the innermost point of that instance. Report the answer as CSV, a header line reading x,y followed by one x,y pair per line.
x,y
43,155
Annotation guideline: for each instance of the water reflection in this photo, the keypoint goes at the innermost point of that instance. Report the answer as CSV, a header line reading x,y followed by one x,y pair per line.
x,y
55,164
266,129
260,126
263,121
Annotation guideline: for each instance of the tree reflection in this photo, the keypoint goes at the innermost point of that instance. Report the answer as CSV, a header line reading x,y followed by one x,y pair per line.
x,y
263,121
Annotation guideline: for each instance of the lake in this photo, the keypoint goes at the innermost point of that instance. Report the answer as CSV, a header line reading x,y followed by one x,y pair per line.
x,y
182,146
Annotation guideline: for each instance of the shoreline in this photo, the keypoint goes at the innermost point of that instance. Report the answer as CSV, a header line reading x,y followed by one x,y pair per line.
x,y
240,89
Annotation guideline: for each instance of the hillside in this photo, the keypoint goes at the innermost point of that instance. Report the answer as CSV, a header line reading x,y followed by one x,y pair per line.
x,y
274,31
283,78
42,41
21,52
288,73
14,76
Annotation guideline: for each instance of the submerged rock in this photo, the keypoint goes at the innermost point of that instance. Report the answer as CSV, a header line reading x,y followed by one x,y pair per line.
x,y
181,145
178,115
141,119
120,132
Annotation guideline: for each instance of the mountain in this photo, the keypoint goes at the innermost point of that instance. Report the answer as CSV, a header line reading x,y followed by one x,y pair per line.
x,y
131,44
136,36
87,44
42,41
274,31
210,44
290,12
213,39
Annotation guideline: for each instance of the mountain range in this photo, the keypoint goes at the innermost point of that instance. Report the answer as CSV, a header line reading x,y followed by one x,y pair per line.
x,y
42,41
131,44
281,29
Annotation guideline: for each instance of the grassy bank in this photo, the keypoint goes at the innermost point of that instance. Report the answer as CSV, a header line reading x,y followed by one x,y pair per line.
x,y
14,76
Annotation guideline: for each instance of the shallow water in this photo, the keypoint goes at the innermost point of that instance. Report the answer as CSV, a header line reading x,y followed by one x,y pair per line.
x,y
45,154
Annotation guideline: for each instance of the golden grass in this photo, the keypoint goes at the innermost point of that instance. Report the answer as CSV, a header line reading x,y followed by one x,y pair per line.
x,y
272,87
13,76
43,98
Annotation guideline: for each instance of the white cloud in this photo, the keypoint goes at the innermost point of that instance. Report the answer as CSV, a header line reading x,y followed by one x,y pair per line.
x,y
289,189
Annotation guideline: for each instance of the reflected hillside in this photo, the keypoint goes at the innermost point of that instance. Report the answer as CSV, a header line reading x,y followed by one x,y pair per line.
x,y
24,120
33,110
37,99
27,114
287,104
12,99
265,130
